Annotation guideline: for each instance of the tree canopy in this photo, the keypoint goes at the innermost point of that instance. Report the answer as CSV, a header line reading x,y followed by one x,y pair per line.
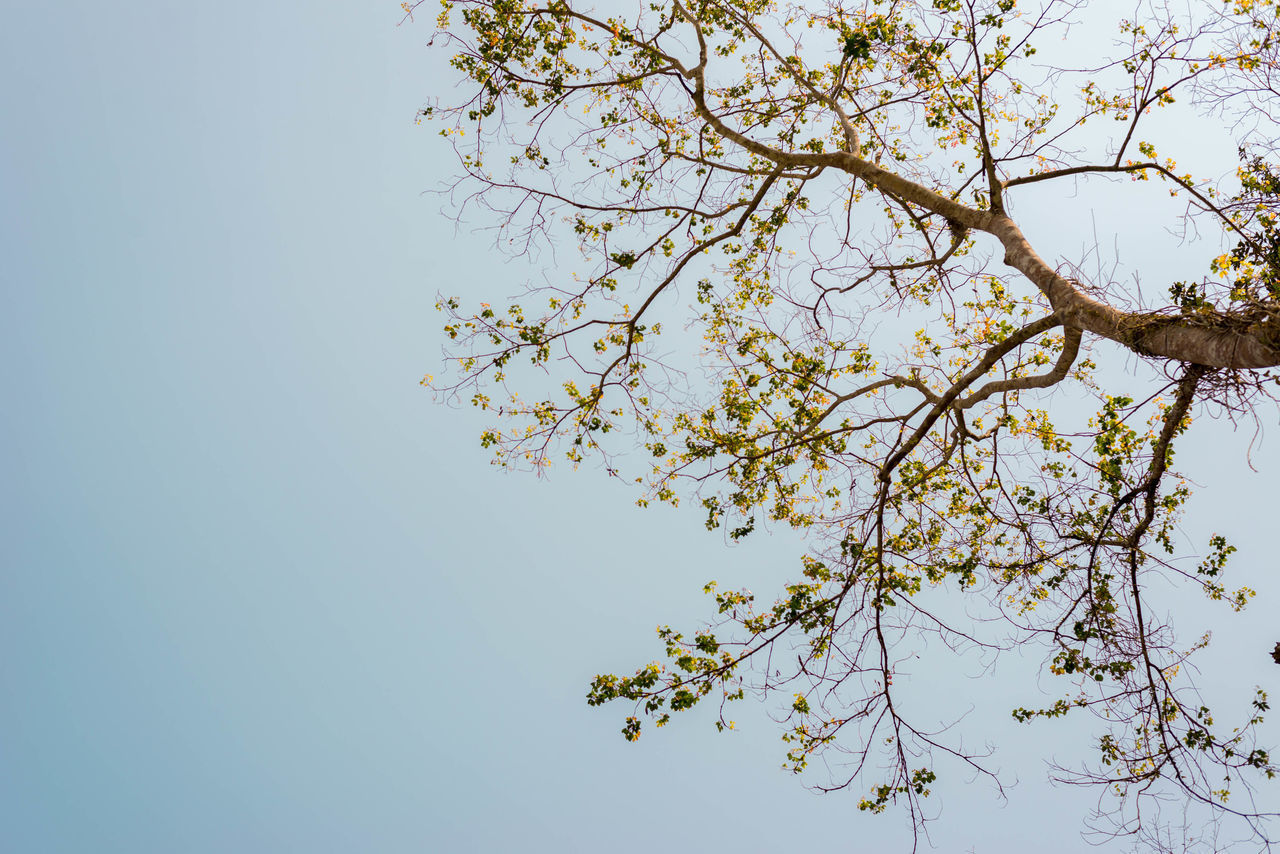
x,y
790,284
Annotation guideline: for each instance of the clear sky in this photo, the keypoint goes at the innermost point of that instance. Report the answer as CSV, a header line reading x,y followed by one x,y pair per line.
x,y
257,591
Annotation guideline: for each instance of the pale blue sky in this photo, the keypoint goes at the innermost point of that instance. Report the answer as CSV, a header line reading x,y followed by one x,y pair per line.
x,y
258,592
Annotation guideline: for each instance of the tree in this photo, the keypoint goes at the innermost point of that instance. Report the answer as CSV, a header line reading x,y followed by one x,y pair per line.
x,y
868,347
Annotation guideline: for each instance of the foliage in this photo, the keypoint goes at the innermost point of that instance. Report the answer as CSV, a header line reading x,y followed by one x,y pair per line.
x,y
872,343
